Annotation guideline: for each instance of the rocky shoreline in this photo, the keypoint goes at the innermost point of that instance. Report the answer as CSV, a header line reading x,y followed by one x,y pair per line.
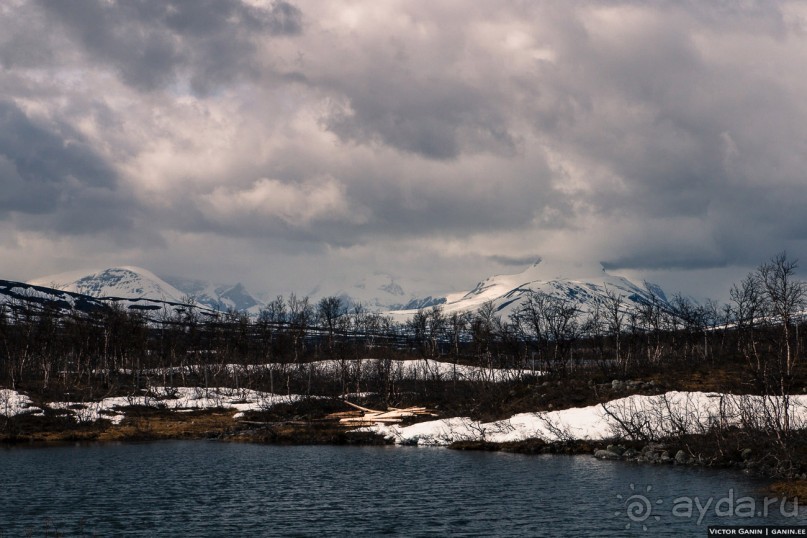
x,y
299,431
306,422
747,460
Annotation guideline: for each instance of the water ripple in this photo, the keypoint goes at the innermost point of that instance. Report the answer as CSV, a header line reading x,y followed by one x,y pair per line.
x,y
214,489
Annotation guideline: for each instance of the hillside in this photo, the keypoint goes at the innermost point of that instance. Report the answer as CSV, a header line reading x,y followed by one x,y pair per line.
x,y
127,282
585,284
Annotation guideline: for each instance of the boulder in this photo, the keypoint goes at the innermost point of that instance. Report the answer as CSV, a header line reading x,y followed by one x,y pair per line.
x,y
606,455
682,458
630,453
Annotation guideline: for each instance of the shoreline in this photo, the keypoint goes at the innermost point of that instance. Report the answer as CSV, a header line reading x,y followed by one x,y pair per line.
x,y
220,425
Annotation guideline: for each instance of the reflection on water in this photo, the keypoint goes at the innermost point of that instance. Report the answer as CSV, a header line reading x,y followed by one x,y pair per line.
x,y
212,489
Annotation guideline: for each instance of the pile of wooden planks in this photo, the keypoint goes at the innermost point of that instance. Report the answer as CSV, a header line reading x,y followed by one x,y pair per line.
x,y
364,416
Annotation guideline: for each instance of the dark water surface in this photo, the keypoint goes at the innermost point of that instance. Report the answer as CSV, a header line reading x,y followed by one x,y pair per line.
x,y
206,488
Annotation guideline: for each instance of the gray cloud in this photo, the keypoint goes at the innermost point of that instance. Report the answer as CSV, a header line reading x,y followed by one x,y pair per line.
x,y
515,261
52,180
154,44
41,165
451,137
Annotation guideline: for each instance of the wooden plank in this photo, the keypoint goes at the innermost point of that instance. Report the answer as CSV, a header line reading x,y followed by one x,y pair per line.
x,y
365,409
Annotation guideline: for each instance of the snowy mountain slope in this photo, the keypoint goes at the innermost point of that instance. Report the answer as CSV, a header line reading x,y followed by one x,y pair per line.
x,y
127,282
217,296
21,295
584,284
14,293
130,282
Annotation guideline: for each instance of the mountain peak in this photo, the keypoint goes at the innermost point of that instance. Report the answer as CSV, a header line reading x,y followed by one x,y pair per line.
x,y
584,283
127,281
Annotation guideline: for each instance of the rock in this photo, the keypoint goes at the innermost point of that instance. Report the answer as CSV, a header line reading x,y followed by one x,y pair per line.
x,y
606,455
682,458
665,457
746,453
650,457
617,384
616,449
630,453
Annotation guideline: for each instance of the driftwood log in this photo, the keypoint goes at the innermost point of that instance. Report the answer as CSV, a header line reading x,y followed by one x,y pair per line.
x,y
364,416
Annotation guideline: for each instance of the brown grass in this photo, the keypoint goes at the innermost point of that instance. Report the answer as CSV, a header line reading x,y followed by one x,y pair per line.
x,y
139,427
172,425
791,488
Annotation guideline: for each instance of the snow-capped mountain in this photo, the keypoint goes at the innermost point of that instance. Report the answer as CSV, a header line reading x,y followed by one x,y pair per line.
x,y
586,284
217,296
126,282
583,283
378,291
19,293
130,282
21,296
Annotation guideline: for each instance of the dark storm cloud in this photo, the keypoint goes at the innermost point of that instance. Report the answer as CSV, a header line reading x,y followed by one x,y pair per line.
x,y
412,90
53,179
675,101
40,161
153,44
26,39
515,261
646,134
433,122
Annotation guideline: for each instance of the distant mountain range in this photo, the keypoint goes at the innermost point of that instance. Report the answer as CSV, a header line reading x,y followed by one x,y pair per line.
x,y
129,282
220,297
21,293
584,284
378,291
138,288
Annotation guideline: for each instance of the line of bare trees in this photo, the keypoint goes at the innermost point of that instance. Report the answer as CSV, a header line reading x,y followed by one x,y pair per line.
x,y
44,346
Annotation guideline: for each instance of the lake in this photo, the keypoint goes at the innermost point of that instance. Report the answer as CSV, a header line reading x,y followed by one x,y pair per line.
x,y
209,488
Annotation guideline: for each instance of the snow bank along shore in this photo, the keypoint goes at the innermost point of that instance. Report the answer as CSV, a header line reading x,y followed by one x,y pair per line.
x,y
654,416
173,398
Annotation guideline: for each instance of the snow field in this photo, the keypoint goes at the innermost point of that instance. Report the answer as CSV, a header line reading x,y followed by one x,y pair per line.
x,y
670,413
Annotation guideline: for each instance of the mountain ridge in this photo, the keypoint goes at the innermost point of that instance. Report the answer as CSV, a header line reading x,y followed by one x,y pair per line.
x,y
132,282
507,291
586,284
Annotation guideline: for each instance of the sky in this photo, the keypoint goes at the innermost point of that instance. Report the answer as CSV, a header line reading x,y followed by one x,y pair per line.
x,y
290,145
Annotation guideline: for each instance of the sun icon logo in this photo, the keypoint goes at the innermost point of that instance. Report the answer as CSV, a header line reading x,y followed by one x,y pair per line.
x,y
638,508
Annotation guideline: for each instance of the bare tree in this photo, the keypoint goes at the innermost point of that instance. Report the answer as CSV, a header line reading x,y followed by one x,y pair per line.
x,y
614,314
329,310
785,297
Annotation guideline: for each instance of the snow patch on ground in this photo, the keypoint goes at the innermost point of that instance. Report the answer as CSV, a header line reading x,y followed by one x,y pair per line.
x,y
658,415
172,398
13,403
411,369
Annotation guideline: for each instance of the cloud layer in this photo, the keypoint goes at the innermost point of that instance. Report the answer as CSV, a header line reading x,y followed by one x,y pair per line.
x,y
283,142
